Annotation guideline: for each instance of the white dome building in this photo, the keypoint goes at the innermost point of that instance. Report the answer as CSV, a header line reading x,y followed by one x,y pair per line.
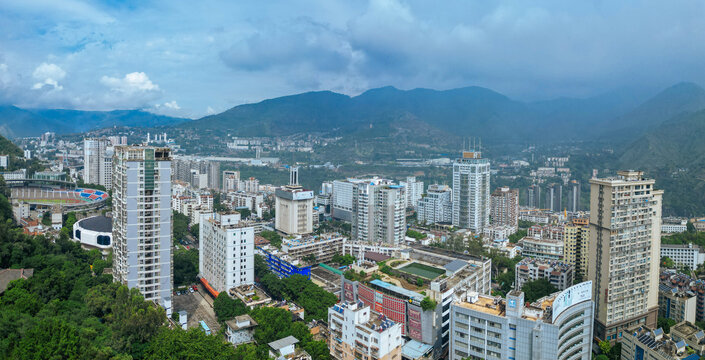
x,y
94,233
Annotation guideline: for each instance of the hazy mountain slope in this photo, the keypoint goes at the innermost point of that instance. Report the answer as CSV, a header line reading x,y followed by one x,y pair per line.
x,y
674,154
462,112
16,122
678,99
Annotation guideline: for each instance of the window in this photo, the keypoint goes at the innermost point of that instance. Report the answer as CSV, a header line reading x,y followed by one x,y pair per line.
x,y
103,240
78,234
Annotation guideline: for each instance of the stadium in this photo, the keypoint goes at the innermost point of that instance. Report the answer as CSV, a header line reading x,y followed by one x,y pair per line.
x,y
73,199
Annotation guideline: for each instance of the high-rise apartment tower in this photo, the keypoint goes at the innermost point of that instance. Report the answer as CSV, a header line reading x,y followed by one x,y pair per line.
x,y
142,256
471,192
624,250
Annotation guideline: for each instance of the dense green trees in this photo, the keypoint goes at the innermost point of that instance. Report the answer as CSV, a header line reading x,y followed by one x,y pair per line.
x,y
297,288
697,238
194,230
415,234
227,308
343,260
514,238
192,344
180,225
67,311
667,262
534,290
665,324
428,304
274,238
185,267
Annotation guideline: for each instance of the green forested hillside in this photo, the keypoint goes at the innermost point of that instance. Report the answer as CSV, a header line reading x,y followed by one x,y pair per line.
x,y
674,154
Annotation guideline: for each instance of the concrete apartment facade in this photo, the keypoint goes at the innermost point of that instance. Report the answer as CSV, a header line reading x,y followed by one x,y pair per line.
x,y
356,333
625,229
227,251
558,326
142,246
471,192
504,206
294,207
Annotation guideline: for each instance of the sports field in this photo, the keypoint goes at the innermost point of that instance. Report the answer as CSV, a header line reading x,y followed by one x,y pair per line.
x,y
428,272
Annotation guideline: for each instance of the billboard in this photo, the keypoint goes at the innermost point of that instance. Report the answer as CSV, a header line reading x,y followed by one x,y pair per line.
x,y
570,296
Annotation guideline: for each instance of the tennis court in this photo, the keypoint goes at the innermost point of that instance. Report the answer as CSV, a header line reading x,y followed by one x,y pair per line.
x,y
425,271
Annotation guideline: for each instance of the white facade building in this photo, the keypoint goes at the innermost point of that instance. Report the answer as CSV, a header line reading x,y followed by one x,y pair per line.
x,y
559,326
227,251
142,241
342,199
97,162
231,180
294,207
498,232
436,206
94,233
353,323
379,212
684,254
471,192
670,227
414,190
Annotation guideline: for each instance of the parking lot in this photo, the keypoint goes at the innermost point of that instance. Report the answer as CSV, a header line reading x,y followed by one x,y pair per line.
x,y
198,306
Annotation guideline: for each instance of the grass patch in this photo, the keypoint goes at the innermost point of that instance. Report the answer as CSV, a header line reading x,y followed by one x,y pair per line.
x,y
425,271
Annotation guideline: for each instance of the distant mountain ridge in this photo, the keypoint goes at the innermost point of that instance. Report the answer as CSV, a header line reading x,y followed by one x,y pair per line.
x,y
17,122
468,111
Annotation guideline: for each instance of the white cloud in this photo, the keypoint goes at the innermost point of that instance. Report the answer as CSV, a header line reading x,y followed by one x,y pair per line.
x,y
172,105
48,75
132,83
134,90
210,111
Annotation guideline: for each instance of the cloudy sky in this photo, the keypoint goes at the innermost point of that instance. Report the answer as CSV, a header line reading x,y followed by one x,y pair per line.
x,y
191,58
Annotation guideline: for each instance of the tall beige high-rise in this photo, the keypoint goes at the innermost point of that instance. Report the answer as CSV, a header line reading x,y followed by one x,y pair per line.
x,y
625,225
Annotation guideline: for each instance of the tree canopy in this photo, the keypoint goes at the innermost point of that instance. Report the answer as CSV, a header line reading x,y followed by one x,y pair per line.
x,y
227,308
185,267
536,289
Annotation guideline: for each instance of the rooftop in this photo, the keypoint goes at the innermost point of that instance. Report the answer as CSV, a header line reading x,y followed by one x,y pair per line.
x,y
555,264
241,322
486,304
375,256
414,349
9,275
689,331
396,289
540,309
97,223
659,342
282,343
309,239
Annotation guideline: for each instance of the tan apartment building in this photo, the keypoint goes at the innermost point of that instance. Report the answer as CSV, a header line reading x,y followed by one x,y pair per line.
x,y
625,227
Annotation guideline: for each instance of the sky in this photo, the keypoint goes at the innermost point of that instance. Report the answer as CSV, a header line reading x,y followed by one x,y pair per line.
x,y
194,58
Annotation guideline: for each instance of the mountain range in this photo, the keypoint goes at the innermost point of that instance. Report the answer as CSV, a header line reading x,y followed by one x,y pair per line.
x,y
469,111
17,122
385,112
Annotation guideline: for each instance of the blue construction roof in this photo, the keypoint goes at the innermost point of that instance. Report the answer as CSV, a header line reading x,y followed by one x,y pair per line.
x,y
414,349
397,289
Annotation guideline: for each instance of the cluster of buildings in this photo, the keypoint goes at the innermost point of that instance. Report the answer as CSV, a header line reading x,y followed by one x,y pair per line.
x,y
191,202
431,303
